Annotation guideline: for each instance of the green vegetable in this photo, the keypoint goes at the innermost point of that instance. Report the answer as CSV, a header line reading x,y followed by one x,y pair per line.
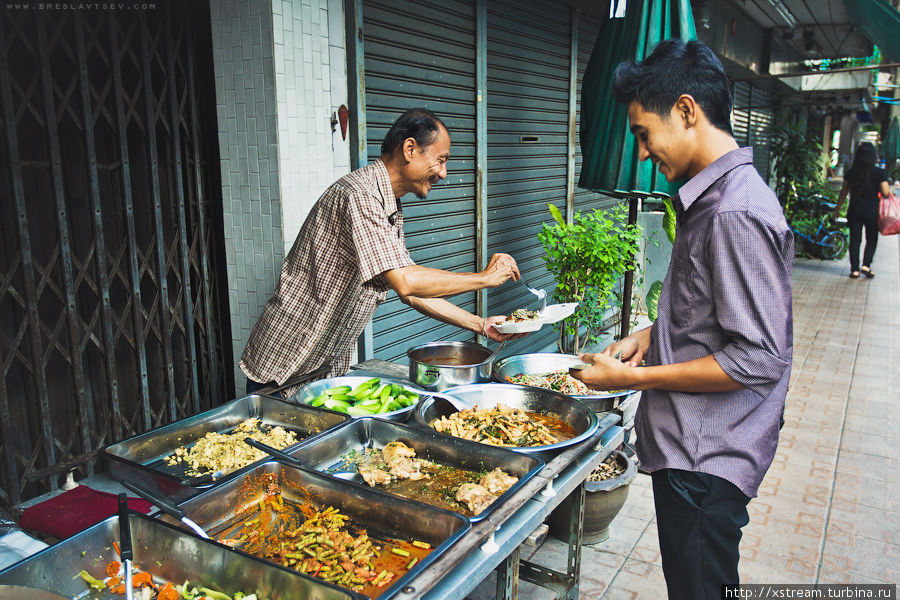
x,y
93,582
319,400
334,403
385,393
360,411
187,594
341,389
214,594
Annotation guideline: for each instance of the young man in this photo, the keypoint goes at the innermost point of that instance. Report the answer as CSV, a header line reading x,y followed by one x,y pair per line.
x,y
351,251
719,354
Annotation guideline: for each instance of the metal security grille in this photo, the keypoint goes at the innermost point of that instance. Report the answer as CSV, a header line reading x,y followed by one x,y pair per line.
x,y
110,314
528,55
433,67
752,122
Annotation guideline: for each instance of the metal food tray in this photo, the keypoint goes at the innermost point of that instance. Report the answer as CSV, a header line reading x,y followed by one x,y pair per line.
x,y
532,399
311,390
168,553
382,515
141,458
326,452
539,363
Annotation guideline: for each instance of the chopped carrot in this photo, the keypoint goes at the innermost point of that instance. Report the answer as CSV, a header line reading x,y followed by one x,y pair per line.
x,y
141,578
120,589
113,581
116,546
167,593
113,568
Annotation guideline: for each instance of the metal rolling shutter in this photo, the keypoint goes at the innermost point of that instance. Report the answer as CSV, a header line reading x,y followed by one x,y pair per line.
x,y
527,99
422,54
761,121
740,117
586,200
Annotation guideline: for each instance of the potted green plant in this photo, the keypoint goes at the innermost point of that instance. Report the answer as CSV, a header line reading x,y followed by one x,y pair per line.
x,y
588,257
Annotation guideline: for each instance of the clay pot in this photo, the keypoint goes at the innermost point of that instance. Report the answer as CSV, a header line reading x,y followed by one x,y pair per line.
x,y
602,502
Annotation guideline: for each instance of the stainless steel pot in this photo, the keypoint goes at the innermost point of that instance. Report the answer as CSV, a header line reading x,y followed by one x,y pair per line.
x,y
437,366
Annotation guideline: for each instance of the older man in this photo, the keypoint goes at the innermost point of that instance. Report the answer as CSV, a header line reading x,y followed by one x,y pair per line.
x,y
719,353
351,251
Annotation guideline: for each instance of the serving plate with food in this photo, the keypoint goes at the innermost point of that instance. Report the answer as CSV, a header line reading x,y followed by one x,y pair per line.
x,y
551,371
420,464
524,321
360,396
169,563
353,536
180,459
523,419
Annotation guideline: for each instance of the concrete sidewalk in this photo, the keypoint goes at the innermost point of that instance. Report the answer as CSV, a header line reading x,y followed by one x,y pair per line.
x,y
827,511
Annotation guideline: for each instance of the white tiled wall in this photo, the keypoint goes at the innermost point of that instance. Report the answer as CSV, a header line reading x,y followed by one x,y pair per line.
x,y
280,74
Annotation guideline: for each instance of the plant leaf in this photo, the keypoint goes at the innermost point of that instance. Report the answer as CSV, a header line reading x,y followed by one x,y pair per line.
x,y
652,299
669,220
557,216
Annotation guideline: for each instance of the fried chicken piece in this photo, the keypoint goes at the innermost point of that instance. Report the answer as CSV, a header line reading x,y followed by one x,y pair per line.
x,y
397,449
406,468
475,497
497,481
373,475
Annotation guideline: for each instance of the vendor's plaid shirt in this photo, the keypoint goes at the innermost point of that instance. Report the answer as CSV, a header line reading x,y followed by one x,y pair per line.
x,y
331,281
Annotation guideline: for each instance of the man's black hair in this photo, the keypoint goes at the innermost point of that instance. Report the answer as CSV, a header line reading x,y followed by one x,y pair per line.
x,y
418,123
672,69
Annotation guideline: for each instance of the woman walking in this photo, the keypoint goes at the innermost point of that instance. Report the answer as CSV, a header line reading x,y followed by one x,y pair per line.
x,y
863,182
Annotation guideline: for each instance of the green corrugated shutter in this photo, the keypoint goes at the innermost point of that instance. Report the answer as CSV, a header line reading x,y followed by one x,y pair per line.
x,y
422,54
527,98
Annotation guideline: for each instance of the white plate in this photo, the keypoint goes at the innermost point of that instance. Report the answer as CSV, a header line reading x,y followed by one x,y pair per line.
x,y
550,314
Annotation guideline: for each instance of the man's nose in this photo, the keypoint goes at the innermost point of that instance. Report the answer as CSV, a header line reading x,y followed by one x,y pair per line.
x,y
443,172
643,153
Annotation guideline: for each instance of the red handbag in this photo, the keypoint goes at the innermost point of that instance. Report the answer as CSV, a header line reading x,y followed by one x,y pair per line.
x,y
889,215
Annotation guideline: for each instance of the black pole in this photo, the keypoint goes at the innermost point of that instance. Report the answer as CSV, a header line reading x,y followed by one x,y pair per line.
x,y
625,324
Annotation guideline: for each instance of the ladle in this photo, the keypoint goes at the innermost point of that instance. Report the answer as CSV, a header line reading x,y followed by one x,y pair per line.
x,y
165,506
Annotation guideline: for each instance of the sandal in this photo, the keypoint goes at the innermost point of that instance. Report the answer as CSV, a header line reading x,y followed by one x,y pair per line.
x,y
867,272
854,274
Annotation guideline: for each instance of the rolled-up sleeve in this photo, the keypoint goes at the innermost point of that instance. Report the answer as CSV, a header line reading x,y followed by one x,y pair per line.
x,y
376,241
751,270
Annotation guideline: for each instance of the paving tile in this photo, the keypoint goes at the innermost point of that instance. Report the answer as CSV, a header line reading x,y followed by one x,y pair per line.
x,y
637,581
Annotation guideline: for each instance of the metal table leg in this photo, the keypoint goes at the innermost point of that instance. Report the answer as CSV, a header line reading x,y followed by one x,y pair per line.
x,y
508,577
565,585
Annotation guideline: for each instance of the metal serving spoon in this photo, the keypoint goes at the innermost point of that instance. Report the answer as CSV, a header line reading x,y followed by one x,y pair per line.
x,y
541,294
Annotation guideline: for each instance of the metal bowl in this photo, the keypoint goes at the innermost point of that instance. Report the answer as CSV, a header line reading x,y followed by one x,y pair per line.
x,y
537,400
305,394
437,366
540,363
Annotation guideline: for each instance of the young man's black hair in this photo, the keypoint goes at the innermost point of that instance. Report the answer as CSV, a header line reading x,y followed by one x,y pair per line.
x,y
418,123
674,68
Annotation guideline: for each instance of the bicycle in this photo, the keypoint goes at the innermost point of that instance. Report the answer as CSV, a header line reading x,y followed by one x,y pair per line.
x,y
827,242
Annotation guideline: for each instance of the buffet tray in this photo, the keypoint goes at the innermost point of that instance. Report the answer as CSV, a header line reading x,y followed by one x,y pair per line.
x,y
382,515
168,553
326,451
531,399
309,391
141,458
540,363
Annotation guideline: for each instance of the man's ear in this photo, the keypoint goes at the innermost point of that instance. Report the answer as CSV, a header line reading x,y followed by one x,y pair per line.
x,y
409,148
687,109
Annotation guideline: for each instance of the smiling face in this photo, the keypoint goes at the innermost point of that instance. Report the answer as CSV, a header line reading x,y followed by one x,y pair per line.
x,y
426,165
664,141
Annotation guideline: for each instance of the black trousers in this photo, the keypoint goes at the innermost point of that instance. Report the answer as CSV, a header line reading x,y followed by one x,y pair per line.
x,y
856,225
699,519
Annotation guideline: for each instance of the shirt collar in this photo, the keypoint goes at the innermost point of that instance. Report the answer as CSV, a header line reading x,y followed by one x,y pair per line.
x,y
699,183
391,202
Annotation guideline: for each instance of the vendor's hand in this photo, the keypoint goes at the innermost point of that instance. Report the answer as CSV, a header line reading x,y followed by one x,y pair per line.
x,y
491,332
605,372
500,268
627,350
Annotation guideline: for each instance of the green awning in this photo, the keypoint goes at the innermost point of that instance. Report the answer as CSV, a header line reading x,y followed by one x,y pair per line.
x,y
880,22
890,143
609,152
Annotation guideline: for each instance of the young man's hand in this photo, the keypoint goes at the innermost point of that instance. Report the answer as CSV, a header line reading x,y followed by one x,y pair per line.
x,y
604,373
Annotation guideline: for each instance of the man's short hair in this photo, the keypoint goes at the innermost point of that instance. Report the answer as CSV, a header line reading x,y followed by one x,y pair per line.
x,y
672,69
418,123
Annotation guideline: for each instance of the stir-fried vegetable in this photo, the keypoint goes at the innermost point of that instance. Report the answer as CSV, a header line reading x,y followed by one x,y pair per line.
x,y
560,381
498,426
143,581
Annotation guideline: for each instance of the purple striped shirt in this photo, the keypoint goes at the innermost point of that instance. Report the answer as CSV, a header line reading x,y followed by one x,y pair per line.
x,y
727,293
